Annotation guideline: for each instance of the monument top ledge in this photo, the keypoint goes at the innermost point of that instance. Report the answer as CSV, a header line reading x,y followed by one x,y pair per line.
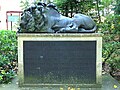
x,y
59,35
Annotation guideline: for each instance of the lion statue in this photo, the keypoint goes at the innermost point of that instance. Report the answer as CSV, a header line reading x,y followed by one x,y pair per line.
x,y
46,18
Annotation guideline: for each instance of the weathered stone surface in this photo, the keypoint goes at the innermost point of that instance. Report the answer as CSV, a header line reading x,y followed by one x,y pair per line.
x,y
108,84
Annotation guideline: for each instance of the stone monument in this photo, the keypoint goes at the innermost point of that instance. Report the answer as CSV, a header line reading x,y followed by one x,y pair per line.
x,y
58,51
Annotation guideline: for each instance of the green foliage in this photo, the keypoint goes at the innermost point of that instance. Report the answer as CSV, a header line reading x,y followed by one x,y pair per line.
x,y
111,24
69,7
106,3
25,3
117,7
111,41
111,51
8,55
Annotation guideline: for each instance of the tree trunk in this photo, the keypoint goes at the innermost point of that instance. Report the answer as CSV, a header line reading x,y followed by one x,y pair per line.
x,y
71,7
98,11
66,10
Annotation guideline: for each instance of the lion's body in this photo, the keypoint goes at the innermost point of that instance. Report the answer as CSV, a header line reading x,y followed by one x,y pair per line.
x,y
48,19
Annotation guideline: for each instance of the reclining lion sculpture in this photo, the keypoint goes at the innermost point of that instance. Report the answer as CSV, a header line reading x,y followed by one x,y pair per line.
x,y
46,18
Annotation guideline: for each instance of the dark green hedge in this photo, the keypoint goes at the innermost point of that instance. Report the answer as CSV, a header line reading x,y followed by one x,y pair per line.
x,y
8,55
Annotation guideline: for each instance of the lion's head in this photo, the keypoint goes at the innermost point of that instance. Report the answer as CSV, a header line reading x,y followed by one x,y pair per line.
x,y
33,19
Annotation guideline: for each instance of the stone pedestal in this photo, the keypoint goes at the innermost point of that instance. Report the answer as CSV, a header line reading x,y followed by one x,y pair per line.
x,y
60,60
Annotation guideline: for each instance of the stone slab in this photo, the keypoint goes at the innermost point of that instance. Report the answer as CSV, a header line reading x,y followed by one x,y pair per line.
x,y
108,83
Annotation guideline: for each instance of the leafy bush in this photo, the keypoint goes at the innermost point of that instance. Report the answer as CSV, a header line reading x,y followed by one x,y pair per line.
x,y
8,55
111,42
111,53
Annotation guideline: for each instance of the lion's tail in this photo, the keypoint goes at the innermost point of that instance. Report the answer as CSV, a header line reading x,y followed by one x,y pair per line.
x,y
88,31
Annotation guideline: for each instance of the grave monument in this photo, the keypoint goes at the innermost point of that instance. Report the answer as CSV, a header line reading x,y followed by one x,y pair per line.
x,y
58,51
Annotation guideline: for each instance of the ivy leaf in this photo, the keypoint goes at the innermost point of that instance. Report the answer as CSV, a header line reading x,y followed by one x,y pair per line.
x,y
1,77
115,86
3,72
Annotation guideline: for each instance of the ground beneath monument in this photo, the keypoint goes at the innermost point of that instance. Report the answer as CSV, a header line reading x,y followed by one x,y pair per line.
x,y
108,83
